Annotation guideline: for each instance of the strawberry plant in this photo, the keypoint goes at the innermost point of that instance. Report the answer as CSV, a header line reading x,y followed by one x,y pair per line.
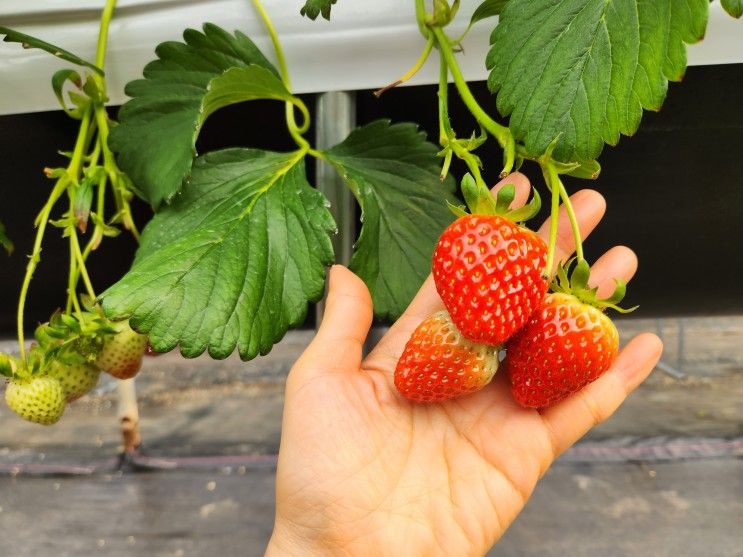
x,y
240,240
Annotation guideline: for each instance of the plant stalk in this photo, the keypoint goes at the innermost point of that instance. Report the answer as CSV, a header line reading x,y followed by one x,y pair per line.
x,y
291,122
501,133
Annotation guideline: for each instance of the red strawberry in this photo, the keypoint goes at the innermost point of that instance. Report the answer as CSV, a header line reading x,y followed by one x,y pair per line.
x,y
438,363
121,355
566,344
489,273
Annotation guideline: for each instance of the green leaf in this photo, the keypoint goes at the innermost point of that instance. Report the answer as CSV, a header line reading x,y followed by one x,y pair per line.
x,y
5,242
313,8
158,128
583,70
394,173
733,7
233,261
489,8
27,41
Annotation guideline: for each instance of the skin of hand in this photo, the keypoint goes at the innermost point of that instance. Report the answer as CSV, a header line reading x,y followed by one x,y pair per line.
x,y
362,471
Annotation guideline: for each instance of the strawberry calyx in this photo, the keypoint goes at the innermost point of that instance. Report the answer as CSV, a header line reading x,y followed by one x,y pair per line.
x,y
73,339
572,278
15,368
7,365
481,202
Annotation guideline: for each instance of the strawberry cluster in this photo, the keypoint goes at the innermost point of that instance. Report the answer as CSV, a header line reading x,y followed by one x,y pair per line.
x,y
65,363
490,273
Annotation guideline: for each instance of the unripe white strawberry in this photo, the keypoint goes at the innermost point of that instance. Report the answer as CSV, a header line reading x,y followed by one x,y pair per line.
x,y
37,399
122,353
76,379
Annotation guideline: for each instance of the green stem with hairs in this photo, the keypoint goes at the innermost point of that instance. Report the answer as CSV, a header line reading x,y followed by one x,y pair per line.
x,y
552,178
412,71
59,188
106,16
572,218
501,133
420,16
550,175
291,123
447,135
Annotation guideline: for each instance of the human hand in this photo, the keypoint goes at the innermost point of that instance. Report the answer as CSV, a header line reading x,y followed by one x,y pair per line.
x,y
363,471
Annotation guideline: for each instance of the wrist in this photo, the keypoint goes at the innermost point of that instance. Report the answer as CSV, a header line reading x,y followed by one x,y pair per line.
x,y
285,542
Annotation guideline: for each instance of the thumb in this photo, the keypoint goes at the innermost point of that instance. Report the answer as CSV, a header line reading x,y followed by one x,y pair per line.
x,y
338,345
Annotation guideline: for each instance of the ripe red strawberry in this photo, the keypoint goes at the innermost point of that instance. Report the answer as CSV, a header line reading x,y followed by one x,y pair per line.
x,y
439,364
37,399
566,344
489,273
76,379
121,355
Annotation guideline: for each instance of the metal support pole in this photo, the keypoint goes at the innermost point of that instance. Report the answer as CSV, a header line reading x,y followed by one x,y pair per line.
x,y
336,118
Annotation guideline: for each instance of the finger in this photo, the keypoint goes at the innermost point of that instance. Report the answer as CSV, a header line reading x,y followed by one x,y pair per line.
x,y
589,207
338,344
619,262
571,419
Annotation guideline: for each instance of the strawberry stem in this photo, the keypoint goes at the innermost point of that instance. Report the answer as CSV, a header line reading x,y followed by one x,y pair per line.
x,y
549,173
59,188
501,133
291,122
412,71
555,185
448,138
573,220
94,127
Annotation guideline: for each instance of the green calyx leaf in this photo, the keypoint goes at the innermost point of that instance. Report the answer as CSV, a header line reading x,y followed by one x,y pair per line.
x,y
457,210
572,278
443,13
480,201
504,198
587,68
7,365
5,242
733,7
233,261
528,211
59,79
72,339
393,172
313,8
27,41
156,136
82,201
478,197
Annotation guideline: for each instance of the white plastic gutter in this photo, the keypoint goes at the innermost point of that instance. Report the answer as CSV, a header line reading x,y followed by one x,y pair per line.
x,y
367,44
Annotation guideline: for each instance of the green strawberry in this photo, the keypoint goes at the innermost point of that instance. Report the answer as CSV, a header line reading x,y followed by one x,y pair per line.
x,y
122,353
76,379
37,399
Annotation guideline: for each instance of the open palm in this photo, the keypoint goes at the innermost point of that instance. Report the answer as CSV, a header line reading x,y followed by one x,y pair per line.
x,y
362,471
